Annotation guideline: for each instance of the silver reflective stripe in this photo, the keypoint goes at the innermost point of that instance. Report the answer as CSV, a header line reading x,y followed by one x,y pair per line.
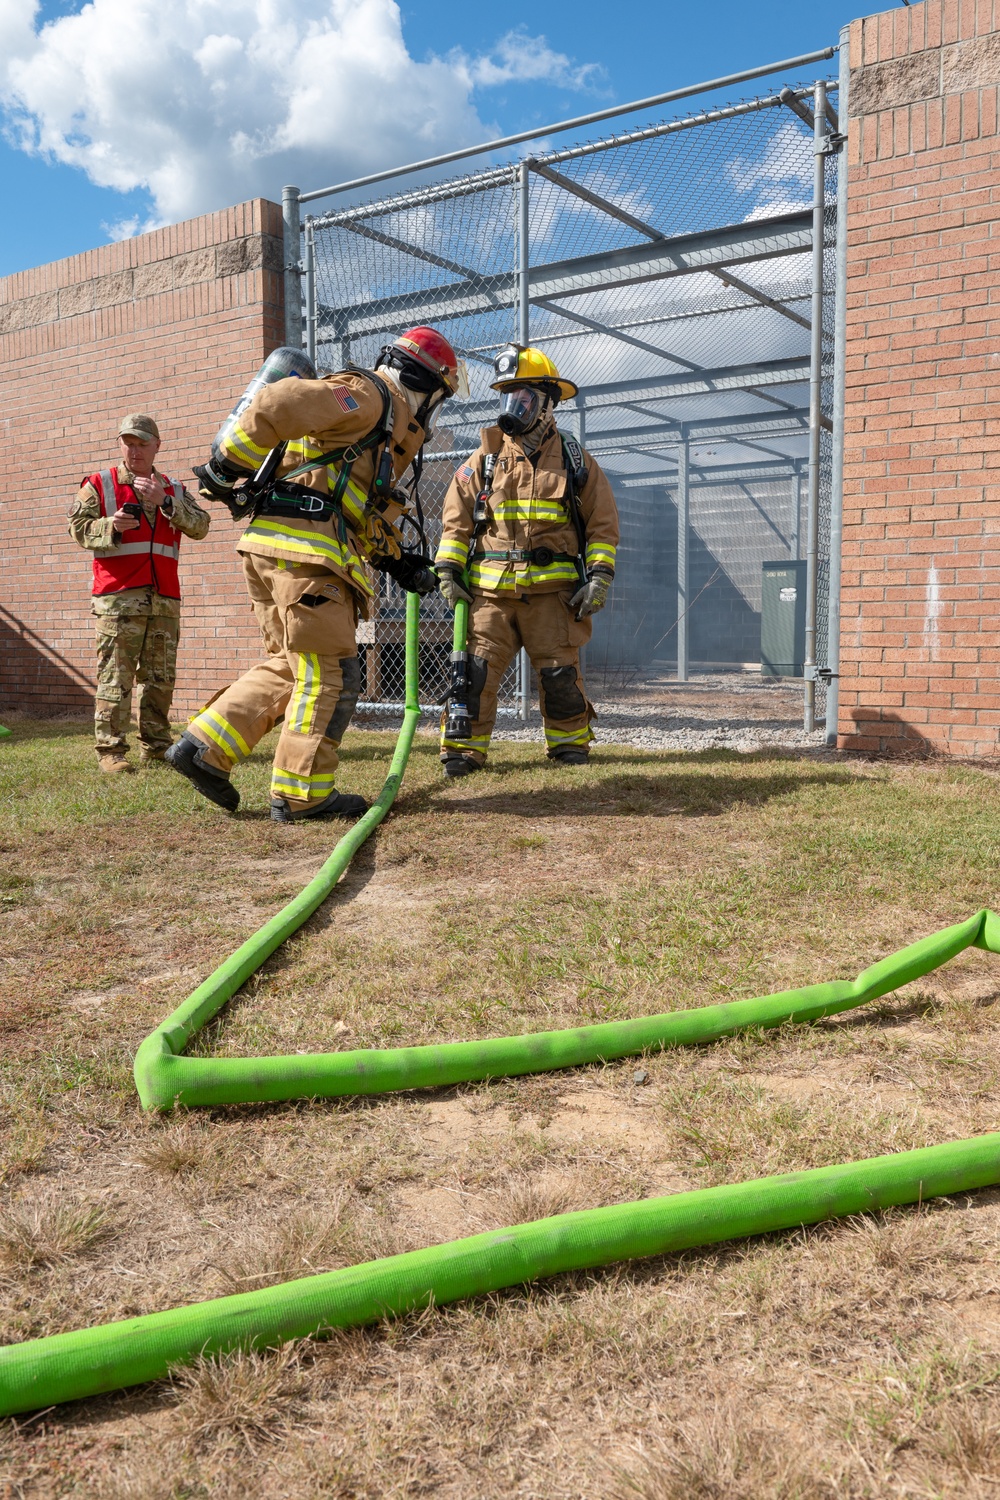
x,y
130,549
160,550
107,488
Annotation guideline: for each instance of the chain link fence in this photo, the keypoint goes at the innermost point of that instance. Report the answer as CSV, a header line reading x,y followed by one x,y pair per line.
x,y
668,270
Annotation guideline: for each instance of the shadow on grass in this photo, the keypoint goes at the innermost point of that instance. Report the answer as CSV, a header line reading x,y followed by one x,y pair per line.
x,y
672,794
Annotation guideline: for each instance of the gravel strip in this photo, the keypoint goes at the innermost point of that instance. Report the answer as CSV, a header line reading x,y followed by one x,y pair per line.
x,y
722,710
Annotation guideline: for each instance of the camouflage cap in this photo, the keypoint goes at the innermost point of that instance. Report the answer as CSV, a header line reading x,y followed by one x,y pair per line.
x,y
137,425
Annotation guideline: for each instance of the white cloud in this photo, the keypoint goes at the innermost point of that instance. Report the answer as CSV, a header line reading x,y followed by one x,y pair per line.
x,y
781,179
519,58
205,103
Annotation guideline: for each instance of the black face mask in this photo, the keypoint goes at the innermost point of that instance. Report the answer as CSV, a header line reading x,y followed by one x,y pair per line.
x,y
521,409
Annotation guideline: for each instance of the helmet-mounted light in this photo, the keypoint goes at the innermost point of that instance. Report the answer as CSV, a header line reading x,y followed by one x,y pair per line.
x,y
506,361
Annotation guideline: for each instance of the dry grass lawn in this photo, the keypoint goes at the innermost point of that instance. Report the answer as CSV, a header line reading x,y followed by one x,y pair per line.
x,y
857,1359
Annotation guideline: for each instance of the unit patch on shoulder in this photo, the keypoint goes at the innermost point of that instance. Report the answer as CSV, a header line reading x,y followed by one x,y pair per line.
x,y
344,398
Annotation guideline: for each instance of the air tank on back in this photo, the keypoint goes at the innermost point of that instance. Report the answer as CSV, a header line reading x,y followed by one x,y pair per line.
x,y
280,364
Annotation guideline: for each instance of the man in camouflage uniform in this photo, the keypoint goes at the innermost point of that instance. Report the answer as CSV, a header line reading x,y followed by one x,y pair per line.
x,y
130,516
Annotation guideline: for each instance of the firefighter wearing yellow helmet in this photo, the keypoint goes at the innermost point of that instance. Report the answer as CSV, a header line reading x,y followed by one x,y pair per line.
x,y
530,530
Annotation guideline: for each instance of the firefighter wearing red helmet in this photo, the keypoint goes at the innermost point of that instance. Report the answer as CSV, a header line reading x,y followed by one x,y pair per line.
x,y
529,537
337,445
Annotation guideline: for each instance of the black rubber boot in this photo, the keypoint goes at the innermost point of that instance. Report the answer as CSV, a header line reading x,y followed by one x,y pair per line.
x,y
185,756
337,805
459,765
570,757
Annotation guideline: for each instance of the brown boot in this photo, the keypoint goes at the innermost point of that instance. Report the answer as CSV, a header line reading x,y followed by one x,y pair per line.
x,y
150,757
113,762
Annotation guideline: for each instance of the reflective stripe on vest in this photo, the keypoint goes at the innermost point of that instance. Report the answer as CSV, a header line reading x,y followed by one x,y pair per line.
x,y
150,562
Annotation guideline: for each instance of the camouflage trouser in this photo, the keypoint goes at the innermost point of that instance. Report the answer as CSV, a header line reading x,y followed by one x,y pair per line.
x,y
139,649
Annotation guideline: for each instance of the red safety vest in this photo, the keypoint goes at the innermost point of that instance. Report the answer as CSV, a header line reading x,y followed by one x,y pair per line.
x,y
145,557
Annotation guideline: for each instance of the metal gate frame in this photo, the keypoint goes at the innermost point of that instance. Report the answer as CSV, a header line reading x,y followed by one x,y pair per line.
x,y
826,376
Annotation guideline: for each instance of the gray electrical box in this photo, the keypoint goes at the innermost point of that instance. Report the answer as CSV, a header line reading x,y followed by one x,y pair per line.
x,y
783,619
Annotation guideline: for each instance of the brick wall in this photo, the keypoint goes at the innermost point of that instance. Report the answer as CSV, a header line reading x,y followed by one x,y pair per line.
x,y
920,645
174,323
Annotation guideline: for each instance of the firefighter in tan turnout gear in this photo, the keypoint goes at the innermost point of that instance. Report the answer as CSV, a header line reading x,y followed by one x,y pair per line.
x,y
336,446
529,536
130,517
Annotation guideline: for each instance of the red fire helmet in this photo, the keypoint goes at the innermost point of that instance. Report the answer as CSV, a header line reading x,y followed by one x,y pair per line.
x,y
431,350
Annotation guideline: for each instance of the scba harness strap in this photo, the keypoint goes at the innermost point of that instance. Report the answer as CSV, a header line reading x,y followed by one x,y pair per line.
x,y
576,477
283,497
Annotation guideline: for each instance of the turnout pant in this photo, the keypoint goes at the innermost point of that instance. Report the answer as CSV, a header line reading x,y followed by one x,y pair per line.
x,y
140,650
499,625
310,676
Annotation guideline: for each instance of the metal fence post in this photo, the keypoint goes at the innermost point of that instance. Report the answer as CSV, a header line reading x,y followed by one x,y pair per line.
x,y
310,289
683,552
795,543
523,250
839,355
523,337
293,273
815,397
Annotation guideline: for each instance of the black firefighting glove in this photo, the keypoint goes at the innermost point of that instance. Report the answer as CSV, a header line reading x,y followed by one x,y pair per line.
x,y
452,589
593,595
412,571
216,479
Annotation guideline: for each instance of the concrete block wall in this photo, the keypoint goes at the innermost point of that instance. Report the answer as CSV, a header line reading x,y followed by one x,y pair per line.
x,y
174,322
920,645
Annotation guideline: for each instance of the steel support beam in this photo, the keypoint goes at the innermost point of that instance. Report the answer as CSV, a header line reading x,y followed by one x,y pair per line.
x,y
595,200
683,503
390,240
666,434
739,285
683,255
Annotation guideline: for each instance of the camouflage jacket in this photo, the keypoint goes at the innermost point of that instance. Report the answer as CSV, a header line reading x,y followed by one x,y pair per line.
x,y
92,531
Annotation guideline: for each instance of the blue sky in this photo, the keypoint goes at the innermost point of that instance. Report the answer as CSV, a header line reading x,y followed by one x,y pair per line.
x,y
153,132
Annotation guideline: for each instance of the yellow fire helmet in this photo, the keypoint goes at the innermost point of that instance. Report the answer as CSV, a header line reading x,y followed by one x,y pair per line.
x,y
515,366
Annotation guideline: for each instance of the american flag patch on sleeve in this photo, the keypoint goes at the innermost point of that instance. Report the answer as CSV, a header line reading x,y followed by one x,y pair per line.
x,y
344,398
466,472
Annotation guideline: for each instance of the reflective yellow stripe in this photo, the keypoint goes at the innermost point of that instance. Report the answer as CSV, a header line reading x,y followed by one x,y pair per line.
x,y
302,708
501,577
556,737
300,451
525,510
243,449
310,544
288,784
600,553
452,553
273,529
222,734
474,742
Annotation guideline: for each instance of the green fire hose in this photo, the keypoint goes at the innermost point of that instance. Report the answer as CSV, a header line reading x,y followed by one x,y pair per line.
x,y
67,1366
156,1059
70,1365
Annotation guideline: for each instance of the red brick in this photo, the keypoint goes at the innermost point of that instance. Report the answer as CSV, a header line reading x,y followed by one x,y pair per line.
x,y
146,352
